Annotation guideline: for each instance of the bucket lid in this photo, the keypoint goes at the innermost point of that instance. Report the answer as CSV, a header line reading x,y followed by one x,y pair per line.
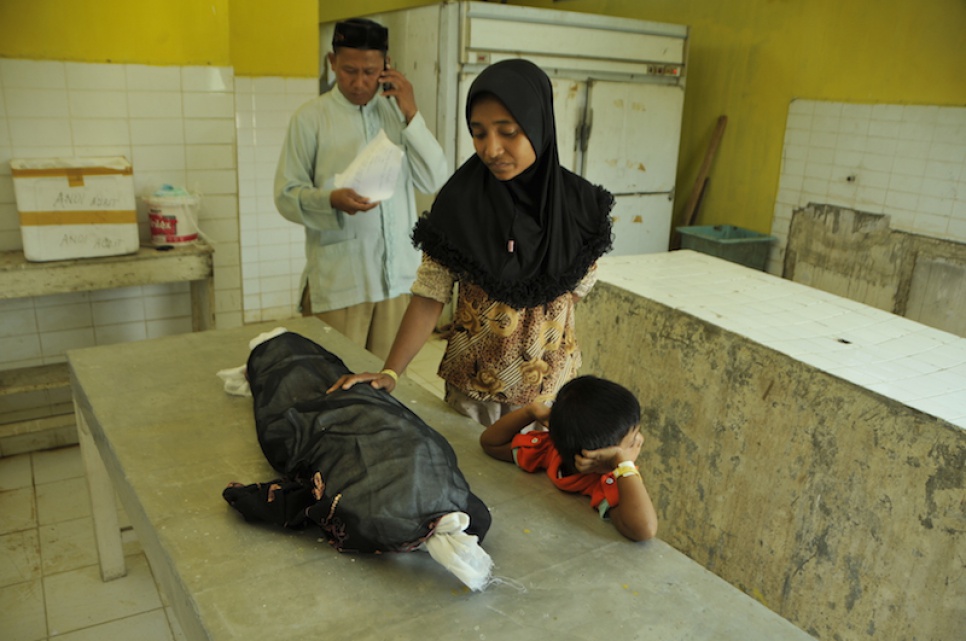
x,y
168,190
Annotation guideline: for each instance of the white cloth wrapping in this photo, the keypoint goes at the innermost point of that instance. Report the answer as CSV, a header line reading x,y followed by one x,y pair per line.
x,y
458,552
236,382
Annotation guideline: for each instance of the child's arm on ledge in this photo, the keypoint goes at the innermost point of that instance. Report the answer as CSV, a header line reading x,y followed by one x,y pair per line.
x,y
497,438
635,516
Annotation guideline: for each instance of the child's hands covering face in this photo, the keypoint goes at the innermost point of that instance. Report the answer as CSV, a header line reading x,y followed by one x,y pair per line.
x,y
606,459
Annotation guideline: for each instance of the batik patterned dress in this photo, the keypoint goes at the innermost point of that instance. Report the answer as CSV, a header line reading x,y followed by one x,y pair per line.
x,y
497,353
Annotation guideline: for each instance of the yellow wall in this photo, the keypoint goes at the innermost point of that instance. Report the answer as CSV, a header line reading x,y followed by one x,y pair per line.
x,y
146,31
275,38
255,37
330,10
750,58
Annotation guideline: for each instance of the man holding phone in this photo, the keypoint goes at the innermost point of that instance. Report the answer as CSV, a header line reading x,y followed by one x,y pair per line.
x,y
360,261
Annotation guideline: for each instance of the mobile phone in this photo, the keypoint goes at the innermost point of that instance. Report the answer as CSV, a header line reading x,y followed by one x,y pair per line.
x,y
386,86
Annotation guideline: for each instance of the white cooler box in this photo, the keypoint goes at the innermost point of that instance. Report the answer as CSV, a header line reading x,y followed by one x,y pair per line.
x,y
75,207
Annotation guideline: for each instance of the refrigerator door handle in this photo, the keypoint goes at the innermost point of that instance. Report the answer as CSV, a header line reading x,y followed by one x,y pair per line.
x,y
585,130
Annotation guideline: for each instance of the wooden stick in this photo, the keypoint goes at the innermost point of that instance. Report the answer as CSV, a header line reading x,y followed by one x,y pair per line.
x,y
690,210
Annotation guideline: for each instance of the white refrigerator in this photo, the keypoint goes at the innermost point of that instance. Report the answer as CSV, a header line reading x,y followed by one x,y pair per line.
x,y
618,94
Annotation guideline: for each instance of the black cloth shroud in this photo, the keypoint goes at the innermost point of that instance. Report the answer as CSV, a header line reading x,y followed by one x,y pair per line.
x,y
558,222
356,462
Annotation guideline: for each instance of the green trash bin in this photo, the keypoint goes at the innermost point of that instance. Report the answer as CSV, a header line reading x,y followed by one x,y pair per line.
x,y
742,246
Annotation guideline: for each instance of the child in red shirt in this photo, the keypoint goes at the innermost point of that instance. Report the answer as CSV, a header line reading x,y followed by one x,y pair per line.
x,y
588,442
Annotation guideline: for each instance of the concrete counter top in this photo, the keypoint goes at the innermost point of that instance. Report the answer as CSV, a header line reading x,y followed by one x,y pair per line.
x,y
156,424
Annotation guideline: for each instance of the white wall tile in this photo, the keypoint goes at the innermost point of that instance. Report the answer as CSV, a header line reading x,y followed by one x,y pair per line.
x,y
909,166
208,105
213,181
124,310
32,74
171,326
83,76
20,348
159,157
169,306
304,88
210,156
154,104
56,344
153,78
88,132
98,104
36,103
120,333
219,206
157,131
206,79
17,322
209,131
29,135
62,317
269,85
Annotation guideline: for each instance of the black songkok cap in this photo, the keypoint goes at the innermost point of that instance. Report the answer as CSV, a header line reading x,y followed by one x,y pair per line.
x,y
359,33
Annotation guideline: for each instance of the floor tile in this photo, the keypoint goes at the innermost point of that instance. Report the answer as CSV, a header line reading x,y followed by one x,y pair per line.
x,y
70,545
149,626
67,545
79,599
19,557
15,472
22,606
62,501
18,510
57,465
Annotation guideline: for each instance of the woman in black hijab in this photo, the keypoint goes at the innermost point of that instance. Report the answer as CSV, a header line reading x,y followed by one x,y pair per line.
x,y
520,234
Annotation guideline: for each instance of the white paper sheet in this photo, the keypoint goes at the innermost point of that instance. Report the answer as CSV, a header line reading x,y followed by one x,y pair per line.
x,y
373,173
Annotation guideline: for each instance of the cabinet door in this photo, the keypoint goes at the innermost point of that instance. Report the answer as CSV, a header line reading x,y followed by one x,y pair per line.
x,y
569,99
634,136
642,224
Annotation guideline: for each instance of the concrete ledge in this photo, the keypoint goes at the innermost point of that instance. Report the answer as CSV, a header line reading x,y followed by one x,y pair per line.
x,y
837,507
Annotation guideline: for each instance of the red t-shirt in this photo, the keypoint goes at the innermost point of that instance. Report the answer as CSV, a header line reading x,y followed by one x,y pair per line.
x,y
534,451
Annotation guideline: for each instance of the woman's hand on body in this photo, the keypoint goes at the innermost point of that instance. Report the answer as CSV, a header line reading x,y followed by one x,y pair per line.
x,y
378,380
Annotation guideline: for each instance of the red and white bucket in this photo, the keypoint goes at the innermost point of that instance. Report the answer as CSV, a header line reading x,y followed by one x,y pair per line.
x,y
173,216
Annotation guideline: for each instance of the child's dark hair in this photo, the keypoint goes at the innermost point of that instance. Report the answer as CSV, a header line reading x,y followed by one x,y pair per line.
x,y
590,413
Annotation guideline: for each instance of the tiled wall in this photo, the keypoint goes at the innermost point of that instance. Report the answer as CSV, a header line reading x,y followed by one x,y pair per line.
x,y
177,126
272,248
906,161
895,357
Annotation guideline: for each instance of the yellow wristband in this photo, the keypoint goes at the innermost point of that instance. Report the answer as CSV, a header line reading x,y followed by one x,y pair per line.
x,y
391,374
625,468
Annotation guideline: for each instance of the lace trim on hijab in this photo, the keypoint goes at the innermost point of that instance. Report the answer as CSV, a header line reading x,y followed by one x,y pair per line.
x,y
521,294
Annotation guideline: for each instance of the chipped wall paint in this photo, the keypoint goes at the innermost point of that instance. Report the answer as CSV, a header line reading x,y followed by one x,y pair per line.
x,y
841,510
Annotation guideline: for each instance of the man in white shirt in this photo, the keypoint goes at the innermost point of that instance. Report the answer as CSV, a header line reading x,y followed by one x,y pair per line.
x,y
360,261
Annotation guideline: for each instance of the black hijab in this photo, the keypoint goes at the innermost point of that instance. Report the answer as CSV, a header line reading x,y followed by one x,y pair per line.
x,y
528,240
